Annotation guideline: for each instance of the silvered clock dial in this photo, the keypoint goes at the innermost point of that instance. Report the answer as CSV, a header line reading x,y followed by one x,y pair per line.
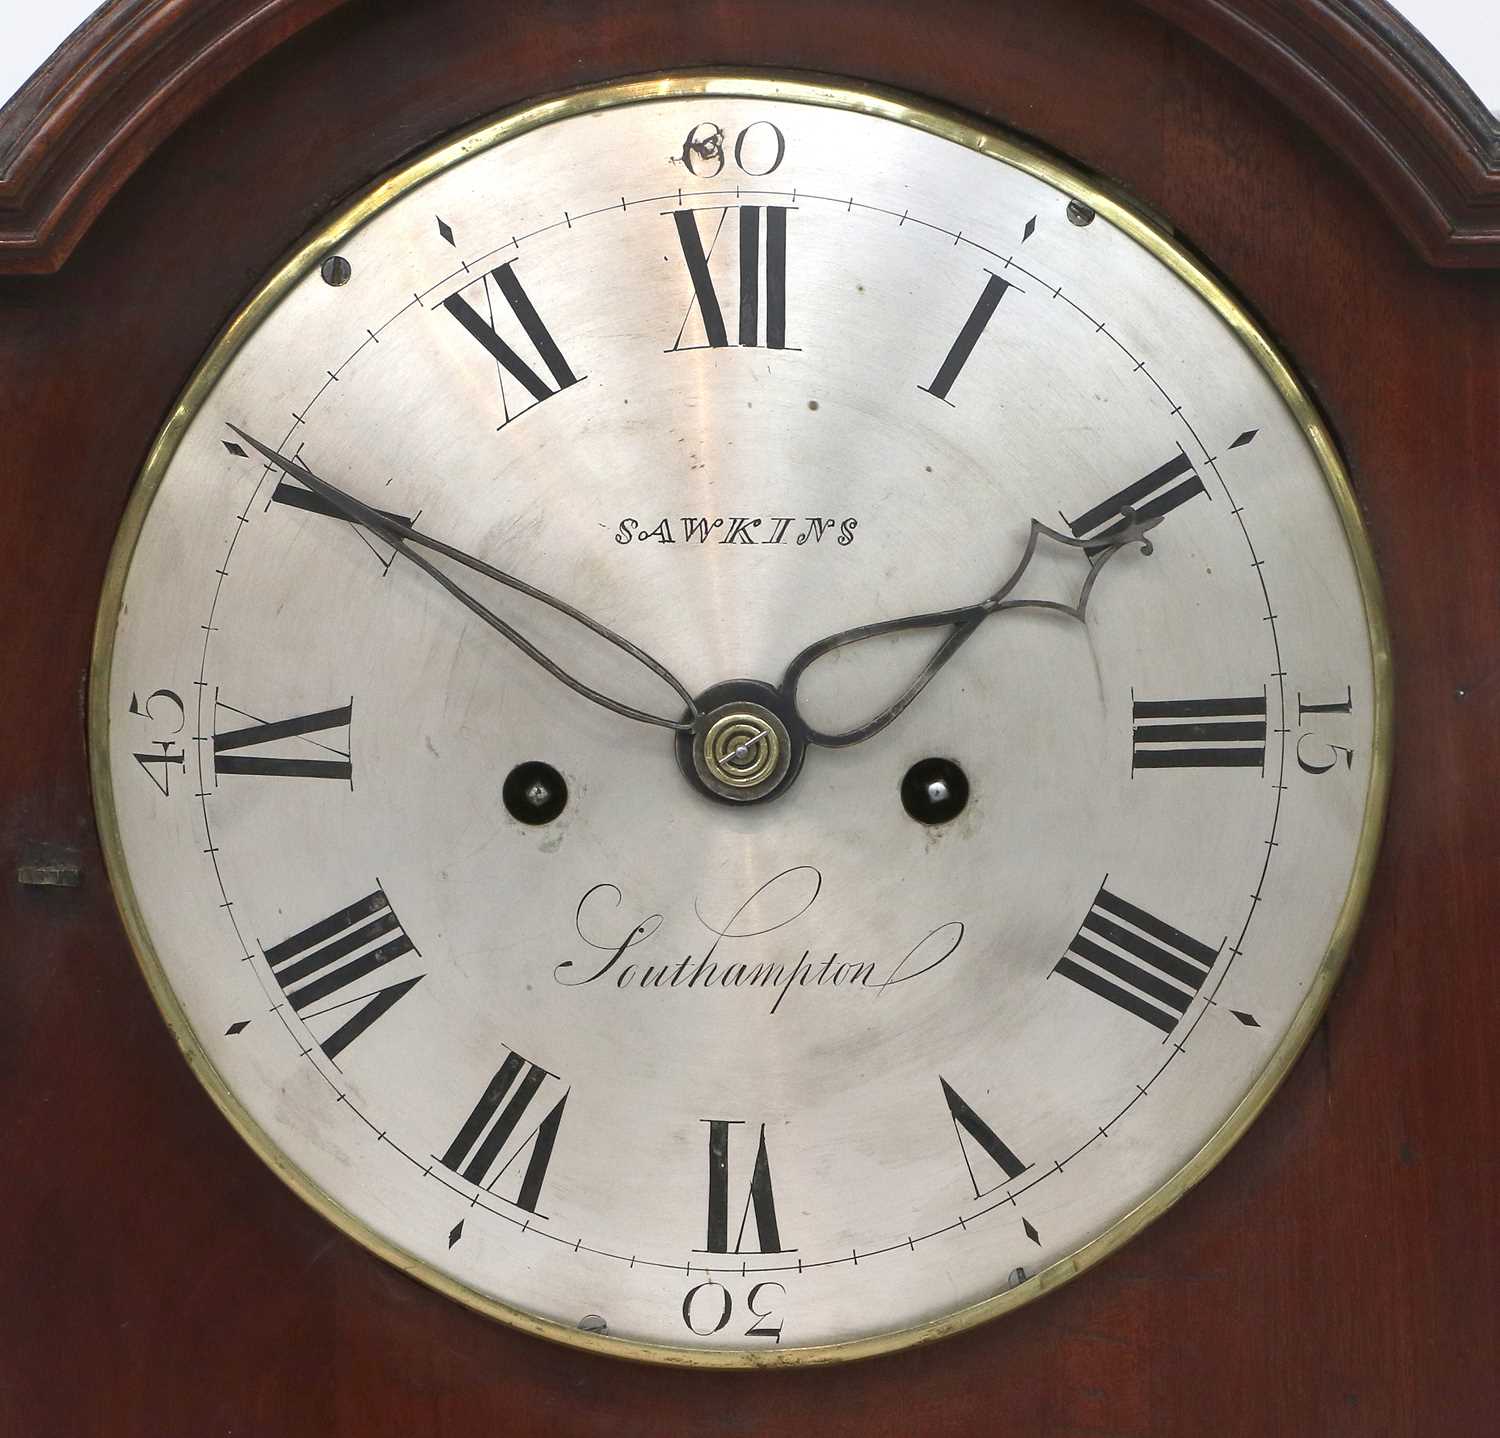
x,y
740,721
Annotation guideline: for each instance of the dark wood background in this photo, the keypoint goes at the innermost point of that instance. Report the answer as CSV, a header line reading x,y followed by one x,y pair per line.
x,y
1337,1274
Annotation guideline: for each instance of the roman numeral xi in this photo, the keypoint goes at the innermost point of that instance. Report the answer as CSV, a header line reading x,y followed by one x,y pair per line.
x,y
508,361
1137,962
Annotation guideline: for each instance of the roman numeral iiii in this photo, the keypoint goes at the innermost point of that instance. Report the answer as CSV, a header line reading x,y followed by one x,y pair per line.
x,y
1137,962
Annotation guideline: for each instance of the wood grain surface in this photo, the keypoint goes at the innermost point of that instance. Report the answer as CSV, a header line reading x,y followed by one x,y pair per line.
x,y
113,91
1337,1274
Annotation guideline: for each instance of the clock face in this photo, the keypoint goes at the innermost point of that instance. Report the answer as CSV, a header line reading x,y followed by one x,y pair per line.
x,y
738,721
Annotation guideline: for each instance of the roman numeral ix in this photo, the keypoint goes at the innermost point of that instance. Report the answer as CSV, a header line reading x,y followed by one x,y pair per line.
x,y
335,954
288,760
1136,961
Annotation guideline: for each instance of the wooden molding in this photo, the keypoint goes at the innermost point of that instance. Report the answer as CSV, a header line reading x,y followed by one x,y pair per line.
x,y
107,98
1380,96
1354,70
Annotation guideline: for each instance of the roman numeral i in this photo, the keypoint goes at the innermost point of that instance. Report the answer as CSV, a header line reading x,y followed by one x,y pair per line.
x,y
963,345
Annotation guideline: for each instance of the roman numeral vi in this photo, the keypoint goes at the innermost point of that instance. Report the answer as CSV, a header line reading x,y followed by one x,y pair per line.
x,y
760,1200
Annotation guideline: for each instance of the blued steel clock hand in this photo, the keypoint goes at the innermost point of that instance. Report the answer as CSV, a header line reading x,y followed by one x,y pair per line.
x,y
404,539
964,621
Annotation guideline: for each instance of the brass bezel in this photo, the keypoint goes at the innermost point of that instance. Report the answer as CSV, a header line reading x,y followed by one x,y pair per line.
x,y
950,125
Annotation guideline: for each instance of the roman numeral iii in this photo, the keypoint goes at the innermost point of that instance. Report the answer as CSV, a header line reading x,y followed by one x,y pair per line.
x,y
757,308
1136,961
759,1201
513,297
478,1152
307,746
336,954
1199,733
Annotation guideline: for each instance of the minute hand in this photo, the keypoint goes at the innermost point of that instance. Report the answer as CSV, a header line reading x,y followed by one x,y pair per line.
x,y
403,538
964,621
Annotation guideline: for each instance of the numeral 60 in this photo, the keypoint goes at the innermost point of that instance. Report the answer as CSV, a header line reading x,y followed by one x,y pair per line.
x,y
708,1308
754,146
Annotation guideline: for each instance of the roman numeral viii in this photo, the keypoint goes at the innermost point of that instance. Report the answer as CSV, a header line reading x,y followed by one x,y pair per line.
x,y
478,1152
1138,962
1199,733
482,327
290,743
760,1200
326,958
756,308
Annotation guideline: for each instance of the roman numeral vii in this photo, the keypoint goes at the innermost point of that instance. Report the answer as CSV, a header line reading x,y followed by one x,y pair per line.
x,y
482,1150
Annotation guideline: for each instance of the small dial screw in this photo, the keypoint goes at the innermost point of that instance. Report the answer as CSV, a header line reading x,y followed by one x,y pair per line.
x,y
1079,213
534,793
337,271
934,791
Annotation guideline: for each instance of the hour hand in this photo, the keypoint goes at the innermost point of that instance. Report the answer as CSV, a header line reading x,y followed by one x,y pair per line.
x,y
408,542
963,622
